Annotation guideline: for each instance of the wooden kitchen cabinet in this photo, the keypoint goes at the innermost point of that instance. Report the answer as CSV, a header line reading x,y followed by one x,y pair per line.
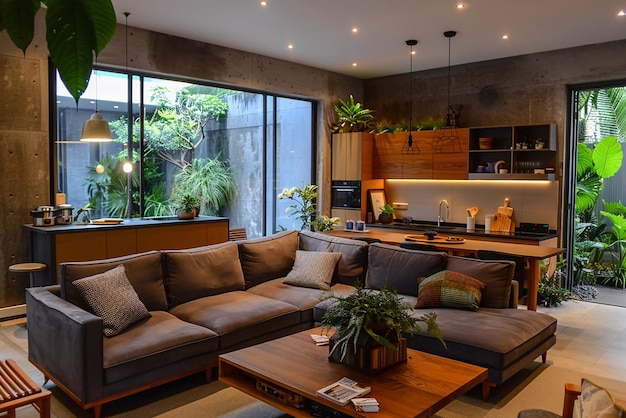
x,y
431,162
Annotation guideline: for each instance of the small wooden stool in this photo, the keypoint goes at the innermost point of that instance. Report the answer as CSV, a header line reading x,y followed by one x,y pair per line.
x,y
30,268
17,389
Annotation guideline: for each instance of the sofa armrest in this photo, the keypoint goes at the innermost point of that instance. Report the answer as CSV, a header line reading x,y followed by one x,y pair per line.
x,y
65,342
514,297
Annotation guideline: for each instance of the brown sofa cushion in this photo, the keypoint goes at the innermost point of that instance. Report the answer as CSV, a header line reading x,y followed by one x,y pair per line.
x,y
200,272
449,289
268,257
399,268
353,263
497,276
111,296
143,270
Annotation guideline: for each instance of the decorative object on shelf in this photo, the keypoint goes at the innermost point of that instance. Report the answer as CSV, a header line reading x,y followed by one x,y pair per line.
x,y
449,132
485,143
410,147
386,214
377,200
430,235
367,320
186,206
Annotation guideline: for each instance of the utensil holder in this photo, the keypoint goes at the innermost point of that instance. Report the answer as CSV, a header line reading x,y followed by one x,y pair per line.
x,y
471,224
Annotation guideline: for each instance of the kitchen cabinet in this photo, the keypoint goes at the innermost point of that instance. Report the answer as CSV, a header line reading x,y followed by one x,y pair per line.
x,y
527,152
56,244
352,156
432,161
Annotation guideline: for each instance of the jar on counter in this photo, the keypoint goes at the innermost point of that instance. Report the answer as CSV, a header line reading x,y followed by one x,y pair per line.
x,y
64,214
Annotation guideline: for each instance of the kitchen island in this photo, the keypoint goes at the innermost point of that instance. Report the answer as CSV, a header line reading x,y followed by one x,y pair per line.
x,y
53,245
532,254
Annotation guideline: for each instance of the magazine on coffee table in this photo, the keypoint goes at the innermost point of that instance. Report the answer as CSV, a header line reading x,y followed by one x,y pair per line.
x,y
343,390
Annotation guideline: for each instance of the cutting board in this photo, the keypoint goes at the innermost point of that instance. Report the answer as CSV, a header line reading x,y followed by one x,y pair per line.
x,y
506,209
502,219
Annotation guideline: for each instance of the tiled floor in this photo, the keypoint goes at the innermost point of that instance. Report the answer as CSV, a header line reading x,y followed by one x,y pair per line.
x,y
591,338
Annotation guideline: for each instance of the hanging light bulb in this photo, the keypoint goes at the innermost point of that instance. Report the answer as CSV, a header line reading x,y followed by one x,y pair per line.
x,y
96,129
453,112
410,146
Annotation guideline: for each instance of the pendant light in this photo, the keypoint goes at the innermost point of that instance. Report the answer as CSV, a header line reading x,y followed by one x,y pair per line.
x,y
96,129
453,112
410,146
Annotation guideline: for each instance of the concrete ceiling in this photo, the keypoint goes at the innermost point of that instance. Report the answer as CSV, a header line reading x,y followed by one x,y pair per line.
x,y
321,30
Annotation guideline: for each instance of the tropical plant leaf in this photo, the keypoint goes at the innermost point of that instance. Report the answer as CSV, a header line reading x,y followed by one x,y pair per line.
x,y
585,161
75,30
607,157
18,18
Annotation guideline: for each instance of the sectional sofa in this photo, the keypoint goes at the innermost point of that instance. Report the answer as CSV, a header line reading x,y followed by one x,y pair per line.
x,y
115,327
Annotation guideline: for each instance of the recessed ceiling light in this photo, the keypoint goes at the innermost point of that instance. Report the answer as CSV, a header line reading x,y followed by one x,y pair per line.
x,y
354,64
263,3
505,37
355,30
622,13
290,46
413,52
460,6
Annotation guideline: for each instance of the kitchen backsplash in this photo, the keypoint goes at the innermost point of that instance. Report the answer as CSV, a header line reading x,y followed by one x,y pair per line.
x,y
532,201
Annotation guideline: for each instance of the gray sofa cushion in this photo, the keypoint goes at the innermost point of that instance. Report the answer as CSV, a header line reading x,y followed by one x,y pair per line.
x,y
159,340
518,331
497,276
238,316
268,257
399,268
353,263
143,270
111,297
204,271
313,269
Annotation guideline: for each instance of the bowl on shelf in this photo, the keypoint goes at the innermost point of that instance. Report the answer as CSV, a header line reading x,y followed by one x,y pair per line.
x,y
485,143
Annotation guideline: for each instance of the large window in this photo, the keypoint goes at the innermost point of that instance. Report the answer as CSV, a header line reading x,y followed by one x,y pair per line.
x,y
233,150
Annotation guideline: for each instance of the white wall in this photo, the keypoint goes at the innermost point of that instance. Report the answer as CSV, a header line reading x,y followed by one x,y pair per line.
x,y
532,201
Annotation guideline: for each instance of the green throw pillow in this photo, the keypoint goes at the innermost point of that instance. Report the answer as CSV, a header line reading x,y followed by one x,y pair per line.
x,y
449,289
313,269
111,296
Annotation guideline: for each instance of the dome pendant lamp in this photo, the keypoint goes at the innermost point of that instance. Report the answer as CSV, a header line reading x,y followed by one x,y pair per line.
x,y
453,112
410,146
96,129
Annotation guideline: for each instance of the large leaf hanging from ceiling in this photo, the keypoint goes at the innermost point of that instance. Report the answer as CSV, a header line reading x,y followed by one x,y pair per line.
x,y
18,18
75,30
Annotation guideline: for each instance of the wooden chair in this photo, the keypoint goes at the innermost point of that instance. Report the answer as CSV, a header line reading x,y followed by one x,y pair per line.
x,y
30,268
17,389
237,234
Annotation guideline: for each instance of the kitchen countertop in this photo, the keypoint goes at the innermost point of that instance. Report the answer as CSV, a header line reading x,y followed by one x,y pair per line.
x,y
126,223
461,229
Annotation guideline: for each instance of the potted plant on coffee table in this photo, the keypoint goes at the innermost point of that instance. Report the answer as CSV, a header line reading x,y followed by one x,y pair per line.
x,y
369,325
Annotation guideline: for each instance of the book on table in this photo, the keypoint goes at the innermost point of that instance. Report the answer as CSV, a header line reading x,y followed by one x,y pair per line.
x,y
343,390
365,404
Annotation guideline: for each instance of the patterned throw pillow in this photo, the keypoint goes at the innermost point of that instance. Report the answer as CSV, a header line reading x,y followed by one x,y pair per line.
x,y
597,402
111,296
449,289
313,269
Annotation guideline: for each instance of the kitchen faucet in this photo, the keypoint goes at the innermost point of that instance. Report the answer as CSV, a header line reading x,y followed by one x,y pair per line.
x,y
443,218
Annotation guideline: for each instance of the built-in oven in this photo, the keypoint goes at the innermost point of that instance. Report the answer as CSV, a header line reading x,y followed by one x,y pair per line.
x,y
346,194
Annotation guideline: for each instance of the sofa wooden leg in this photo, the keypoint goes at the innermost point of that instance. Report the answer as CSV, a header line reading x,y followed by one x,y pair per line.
x,y
544,357
97,411
486,388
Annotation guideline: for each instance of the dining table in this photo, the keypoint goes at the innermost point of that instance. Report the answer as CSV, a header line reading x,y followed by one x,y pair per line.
x,y
532,254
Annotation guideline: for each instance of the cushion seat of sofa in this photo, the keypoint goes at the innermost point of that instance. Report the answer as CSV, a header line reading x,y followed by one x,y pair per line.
x,y
492,338
304,298
238,316
160,339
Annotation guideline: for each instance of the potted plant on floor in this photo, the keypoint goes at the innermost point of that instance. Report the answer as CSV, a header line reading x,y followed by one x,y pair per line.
x,y
369,326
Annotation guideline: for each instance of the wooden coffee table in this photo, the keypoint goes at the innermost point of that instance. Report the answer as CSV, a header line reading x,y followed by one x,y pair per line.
x,y
294,365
